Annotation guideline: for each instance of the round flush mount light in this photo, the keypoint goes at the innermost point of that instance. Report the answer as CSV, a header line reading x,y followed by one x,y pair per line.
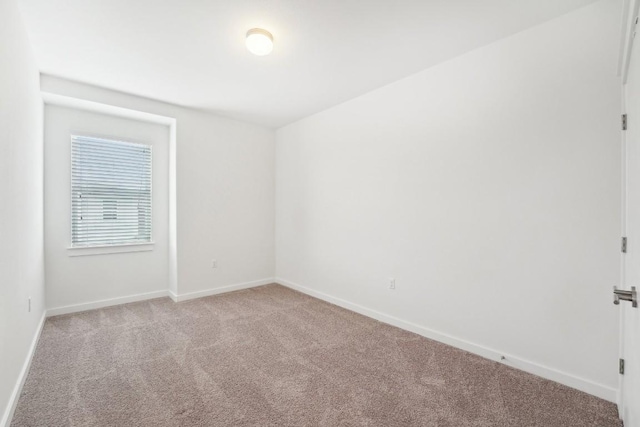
x,y
259,41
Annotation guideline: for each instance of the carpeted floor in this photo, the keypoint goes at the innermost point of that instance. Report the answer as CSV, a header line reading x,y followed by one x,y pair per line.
x,y
270,356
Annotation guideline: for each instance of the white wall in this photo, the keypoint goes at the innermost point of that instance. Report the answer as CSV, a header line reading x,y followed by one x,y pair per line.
x,y
73,280
488,186
225,191
21,252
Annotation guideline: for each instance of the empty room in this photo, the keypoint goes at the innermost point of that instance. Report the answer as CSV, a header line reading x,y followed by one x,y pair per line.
x,y
319,213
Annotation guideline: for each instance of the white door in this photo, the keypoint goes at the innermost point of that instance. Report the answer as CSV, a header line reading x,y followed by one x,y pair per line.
x,y
630,316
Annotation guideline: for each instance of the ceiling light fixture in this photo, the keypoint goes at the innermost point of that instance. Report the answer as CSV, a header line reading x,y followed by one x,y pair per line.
x,y
259,41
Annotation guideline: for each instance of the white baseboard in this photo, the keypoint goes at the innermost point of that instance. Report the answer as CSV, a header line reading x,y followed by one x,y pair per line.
x,y
158,294
105,303
173,296
582,384
17,390
221,290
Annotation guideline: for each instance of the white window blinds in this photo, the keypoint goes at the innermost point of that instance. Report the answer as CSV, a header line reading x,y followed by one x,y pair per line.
x,y
110,192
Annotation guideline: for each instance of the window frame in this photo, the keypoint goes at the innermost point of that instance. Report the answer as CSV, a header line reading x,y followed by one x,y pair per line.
x,y
99,249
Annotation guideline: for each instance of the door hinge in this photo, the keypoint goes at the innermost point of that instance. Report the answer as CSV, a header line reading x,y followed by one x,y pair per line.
x,y
621,366
624,122
623,246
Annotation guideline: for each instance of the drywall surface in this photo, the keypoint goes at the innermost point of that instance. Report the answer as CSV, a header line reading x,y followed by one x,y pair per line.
x,y
225,191
487,186
73,280
21,247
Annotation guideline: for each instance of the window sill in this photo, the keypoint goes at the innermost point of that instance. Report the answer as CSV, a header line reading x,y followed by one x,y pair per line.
x,y
109,249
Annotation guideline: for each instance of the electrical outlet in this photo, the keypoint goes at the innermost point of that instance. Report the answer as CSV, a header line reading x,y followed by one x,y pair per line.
x,y
392,283
214,263
29,304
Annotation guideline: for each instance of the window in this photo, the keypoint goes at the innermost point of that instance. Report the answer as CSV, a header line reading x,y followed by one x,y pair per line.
x,y
110,192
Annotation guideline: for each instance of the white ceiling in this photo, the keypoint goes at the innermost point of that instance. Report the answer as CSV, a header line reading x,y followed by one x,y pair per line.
x,y
192,53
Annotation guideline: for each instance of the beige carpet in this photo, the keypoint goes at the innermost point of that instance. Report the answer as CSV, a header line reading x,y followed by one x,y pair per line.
x,y
270,356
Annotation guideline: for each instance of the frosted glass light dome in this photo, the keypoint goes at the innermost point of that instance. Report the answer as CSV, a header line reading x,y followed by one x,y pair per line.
x,y
259,41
